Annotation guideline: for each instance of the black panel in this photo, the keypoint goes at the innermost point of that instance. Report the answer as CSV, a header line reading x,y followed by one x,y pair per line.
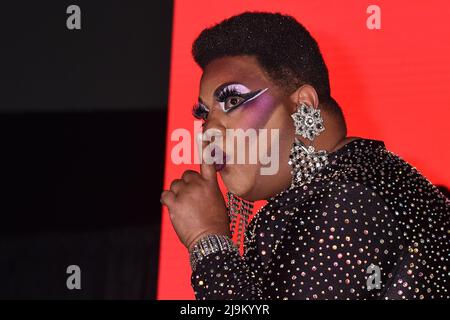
x,y
81,170
118,60
82,137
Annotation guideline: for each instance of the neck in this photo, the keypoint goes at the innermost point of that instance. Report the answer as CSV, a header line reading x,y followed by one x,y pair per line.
x,y
332,138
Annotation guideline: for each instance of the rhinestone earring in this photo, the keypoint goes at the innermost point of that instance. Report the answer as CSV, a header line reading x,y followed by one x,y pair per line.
x,y
239,211
308,122
306,161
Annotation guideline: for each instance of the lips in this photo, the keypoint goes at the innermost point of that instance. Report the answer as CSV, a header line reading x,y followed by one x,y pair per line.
x,y
219,166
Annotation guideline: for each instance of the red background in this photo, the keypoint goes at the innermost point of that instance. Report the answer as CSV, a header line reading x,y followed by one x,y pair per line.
x,y
393,85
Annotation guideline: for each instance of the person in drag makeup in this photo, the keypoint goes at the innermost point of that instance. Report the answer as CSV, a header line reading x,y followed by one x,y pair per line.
x,y
345,218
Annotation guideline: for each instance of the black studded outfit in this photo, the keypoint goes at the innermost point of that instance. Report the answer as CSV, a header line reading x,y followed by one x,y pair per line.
x,y
367,226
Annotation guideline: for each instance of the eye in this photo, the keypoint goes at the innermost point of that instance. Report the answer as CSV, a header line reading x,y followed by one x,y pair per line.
x,y
235,95
231,103
230,98
200,111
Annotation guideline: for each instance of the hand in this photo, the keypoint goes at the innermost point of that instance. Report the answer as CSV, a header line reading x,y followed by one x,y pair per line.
x,y
196,205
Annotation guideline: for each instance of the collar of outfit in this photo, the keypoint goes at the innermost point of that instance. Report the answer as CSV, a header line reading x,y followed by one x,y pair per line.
x,y
360,223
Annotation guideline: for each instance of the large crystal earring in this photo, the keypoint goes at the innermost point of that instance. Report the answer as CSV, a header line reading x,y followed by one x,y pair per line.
x,y
306,160
308,121
239,211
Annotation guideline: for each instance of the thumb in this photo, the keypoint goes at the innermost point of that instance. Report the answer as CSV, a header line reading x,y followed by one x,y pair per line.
x,y
208,154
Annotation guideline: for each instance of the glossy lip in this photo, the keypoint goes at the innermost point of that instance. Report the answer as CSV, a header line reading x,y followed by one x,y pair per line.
x,y
220,166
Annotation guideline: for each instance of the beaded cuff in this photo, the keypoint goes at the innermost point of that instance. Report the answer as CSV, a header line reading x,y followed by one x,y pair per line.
x,y
210,244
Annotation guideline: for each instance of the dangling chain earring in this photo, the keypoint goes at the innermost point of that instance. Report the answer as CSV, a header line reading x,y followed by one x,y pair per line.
x,y
305,160
239,211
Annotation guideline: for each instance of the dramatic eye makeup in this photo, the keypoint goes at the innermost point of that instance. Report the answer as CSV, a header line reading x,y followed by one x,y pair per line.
x,y
229,96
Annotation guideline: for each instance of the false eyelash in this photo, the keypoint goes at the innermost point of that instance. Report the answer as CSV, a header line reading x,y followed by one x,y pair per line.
x,y
226,93
199,111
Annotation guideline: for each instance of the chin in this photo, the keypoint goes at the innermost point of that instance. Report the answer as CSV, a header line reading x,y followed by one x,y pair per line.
x,y
239,182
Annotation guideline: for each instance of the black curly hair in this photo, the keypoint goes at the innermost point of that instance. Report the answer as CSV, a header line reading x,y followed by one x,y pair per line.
x,y
281,45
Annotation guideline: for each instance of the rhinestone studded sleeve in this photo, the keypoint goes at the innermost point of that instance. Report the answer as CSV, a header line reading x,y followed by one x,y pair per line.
x,y
368,227
225,276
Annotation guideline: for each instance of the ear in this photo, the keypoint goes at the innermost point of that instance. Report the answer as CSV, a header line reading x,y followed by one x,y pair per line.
x,y
306,94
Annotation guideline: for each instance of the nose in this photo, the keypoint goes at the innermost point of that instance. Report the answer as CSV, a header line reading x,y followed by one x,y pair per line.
x,y
214,129
208,141
215,122
212,135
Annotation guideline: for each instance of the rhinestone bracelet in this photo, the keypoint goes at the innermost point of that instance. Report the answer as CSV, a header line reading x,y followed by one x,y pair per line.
x,y
210,244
